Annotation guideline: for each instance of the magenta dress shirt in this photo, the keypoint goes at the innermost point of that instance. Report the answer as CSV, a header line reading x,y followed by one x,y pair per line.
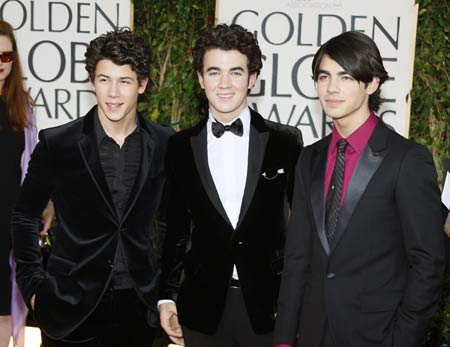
x,y
356,143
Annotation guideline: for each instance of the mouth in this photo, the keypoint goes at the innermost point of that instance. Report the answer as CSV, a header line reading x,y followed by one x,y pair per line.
x,y
225,96
114,106
333,102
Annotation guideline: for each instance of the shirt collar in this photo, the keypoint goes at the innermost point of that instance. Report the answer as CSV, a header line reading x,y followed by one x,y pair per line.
x,y
100,133
244,116
358,139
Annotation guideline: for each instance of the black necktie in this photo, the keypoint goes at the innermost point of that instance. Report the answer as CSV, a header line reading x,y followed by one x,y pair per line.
x,y
333,202
236,128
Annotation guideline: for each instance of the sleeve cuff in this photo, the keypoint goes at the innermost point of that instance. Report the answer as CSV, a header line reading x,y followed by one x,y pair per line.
x,y
164,301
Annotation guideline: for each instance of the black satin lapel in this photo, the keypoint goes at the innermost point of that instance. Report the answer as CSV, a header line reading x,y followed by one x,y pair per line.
x,y
91,158
199,150
317,195
257,148
148,147
367,165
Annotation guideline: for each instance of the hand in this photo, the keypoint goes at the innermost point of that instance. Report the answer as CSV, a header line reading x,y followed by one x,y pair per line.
x,y
47,218
169,321
32,301
447,225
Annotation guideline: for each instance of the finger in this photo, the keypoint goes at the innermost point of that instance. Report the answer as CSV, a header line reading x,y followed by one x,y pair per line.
x,y
46,226
177,340
175,332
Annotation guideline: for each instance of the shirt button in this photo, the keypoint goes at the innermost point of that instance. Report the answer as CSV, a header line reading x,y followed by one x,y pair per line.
x,y
330,276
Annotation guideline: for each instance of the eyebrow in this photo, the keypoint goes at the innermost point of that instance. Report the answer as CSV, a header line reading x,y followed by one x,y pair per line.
x,y
120,78
215,68
340,73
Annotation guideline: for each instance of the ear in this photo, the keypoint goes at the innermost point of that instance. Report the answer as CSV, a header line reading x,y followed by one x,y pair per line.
x,y
200,79
252,80
143,85
92,85
373,85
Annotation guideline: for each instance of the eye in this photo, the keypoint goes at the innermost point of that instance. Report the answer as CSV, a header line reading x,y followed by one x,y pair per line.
x,y
213,73
236,73
322,77
125,82
347,78
103,80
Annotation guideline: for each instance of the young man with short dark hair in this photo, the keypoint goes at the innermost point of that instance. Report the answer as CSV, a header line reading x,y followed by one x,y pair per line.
x,y
364,252
105,175
231,183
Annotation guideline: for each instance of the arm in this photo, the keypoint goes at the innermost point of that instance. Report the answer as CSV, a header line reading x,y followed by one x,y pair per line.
x,y
419,208
296,260
177,236
447,225
47,219
26,219
293,151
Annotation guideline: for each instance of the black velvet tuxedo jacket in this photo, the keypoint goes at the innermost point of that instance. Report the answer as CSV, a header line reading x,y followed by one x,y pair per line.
x,y
379,282
197,220
66,167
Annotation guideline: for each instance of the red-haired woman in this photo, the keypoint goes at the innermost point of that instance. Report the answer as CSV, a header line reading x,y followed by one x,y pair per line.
x,y
17,140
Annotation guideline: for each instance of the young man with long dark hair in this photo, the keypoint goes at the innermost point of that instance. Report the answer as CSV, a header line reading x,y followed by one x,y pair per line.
x,y
364,253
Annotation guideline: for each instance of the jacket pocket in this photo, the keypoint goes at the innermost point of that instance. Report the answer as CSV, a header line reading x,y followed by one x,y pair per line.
x,y
386,301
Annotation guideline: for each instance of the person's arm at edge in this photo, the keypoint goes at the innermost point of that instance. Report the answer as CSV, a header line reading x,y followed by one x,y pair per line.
x,y
26,220
418,202
177,236
296,260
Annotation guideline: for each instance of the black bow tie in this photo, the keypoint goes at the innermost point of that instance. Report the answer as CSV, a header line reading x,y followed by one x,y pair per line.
x,y
236,128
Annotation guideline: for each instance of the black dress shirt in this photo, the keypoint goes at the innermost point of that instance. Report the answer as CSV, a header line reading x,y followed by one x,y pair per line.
x,y
120,167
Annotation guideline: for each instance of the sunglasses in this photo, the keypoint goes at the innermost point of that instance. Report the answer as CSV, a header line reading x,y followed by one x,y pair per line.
x,y
7,57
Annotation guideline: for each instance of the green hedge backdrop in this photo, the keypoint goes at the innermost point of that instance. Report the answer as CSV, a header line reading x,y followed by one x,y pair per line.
x,y
174,98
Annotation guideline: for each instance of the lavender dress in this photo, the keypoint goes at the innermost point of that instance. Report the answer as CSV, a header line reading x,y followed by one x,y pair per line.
x,y
19,310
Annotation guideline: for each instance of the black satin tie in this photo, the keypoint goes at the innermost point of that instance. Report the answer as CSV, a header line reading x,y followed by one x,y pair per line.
x,y
333,204
236,128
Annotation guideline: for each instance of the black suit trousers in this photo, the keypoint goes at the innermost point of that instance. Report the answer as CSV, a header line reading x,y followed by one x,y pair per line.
x,y
119,320
234,328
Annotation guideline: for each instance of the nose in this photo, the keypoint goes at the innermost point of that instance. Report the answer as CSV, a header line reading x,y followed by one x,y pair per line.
x,y
225,81
333,85
113,90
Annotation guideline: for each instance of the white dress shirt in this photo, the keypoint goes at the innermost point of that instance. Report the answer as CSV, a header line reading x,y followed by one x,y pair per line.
x,y
228,162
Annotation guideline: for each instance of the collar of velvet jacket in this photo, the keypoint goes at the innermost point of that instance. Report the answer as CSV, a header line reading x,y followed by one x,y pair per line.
x,y
89,152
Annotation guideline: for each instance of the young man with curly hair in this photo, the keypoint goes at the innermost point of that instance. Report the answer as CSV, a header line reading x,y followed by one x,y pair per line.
x,y
364,253
231,182
105,175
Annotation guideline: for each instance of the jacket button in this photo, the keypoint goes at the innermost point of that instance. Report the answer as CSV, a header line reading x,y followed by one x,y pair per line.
x,y
330,275
110,264
240,243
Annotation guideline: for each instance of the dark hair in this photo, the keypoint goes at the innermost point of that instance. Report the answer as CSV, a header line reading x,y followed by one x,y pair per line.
x,y
233,37
359,56
17,100
122,47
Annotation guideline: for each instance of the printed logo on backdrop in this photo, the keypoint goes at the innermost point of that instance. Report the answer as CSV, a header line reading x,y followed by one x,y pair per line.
x,y
329,4
291,31
52,37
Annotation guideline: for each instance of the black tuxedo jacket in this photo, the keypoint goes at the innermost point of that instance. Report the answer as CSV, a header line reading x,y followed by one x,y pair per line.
x,y
379,283
198,221
66,167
